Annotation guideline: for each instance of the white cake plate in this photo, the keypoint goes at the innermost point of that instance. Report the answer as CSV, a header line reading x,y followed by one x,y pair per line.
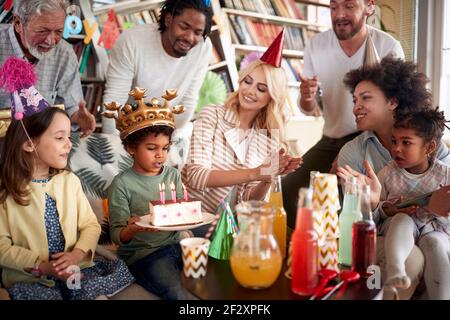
x,y
145,222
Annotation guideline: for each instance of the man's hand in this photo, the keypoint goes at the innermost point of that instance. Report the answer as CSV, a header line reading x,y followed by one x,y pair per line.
x,y
308,88
84,119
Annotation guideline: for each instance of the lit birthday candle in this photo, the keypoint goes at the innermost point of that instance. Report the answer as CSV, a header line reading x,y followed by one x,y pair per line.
x,y
163,187
161,197
185,194
174,194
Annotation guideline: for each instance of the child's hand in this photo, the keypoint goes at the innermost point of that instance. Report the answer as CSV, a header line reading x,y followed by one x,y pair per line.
x,y
47,268
135,228
390,208
62,260
128,233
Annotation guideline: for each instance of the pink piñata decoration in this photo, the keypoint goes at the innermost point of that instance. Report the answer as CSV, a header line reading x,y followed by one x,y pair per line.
x,y
16,74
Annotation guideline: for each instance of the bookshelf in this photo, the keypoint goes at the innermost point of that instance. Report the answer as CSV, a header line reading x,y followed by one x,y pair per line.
x,y
250,26
136,12
129,13
6,11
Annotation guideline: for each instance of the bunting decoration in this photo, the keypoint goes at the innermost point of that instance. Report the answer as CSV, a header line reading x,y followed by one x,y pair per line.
x,y
110,32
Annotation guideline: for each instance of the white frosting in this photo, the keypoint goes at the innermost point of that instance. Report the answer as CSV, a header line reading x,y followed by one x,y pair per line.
x,y
174,214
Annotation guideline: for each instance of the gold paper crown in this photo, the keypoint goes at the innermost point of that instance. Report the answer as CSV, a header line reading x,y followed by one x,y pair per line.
x,y
130,118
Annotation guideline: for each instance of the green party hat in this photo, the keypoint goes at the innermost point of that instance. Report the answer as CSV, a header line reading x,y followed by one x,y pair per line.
x,y
222,239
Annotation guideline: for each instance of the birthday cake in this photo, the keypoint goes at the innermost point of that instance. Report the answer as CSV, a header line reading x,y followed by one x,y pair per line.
x,y
176,214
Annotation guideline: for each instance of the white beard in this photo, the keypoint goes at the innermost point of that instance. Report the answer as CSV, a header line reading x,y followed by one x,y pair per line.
x,y
36,53
39,55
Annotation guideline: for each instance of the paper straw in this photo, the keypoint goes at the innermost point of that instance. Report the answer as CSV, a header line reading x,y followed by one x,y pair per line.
x,y
235,228
213,226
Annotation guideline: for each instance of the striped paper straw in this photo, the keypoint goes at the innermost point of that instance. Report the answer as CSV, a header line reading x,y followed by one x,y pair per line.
x,y
233,228
213,226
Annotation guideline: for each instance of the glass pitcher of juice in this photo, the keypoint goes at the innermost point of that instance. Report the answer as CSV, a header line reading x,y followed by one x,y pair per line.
x,y
255,257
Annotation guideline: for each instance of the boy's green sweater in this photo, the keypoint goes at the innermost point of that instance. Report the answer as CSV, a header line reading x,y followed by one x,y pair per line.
x,y
129,195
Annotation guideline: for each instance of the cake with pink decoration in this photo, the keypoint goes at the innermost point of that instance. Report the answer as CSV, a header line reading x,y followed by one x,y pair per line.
x,y
176,214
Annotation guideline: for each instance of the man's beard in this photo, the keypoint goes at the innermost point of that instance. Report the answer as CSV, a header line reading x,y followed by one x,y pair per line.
x,y
354,29
38,54
179,53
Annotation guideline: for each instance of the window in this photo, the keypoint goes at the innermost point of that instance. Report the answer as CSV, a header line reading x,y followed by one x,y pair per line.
x,y
433,50
444,88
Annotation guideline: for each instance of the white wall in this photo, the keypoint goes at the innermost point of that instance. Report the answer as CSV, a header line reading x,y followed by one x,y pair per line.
x,y
303,132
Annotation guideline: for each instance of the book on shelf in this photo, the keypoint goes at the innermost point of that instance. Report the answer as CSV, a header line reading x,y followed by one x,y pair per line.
x,y
283,8
249,31
215,56
280,8
85,58
93,95
225,76
127,20
293,68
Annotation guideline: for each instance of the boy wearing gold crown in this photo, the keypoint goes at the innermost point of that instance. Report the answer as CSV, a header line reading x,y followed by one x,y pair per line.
x,y
154,257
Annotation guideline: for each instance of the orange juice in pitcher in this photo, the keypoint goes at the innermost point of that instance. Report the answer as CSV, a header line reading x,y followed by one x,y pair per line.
x,y
256,273
255,257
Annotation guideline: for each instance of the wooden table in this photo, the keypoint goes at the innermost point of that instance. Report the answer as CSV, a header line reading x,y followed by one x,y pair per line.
x,y
219,284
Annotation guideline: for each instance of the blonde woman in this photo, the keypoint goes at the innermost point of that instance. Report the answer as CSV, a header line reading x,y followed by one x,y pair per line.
x,y
241,143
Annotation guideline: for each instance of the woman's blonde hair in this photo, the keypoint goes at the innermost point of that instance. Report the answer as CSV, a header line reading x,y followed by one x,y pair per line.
x,y
273,116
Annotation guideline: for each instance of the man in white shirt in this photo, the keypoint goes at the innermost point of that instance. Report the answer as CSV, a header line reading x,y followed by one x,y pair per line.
x,y
328,57
174,54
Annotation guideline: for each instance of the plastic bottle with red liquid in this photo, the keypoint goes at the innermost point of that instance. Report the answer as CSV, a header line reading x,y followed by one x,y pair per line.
x,y
364,237
305,263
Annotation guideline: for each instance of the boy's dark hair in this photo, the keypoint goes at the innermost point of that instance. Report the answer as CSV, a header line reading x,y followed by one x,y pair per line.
x,y
176,7
135,138
16,165
428,124
399,80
